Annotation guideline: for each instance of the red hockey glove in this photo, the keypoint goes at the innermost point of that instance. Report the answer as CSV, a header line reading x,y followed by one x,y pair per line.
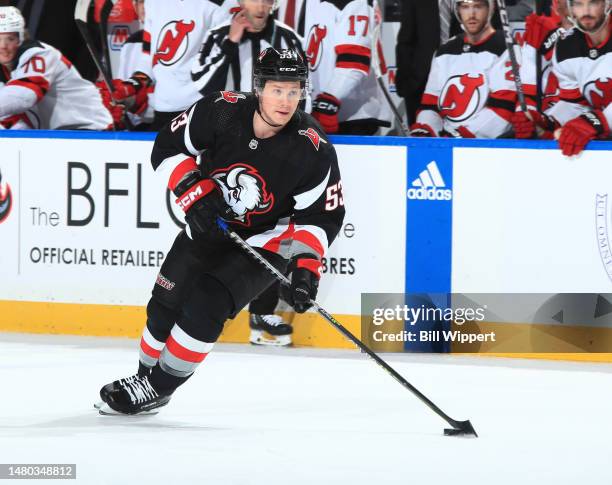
x,y
117,111
202,202
422,130
577,133
305,273
325,110
132,92
542,32
526,124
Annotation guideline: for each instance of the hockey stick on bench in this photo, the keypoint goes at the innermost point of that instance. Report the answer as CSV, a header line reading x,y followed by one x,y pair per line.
x,y
459,428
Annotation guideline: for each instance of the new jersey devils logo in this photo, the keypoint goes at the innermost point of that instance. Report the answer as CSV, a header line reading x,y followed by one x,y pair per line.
x,y
313,136
599,93
173,42
314,49
244,191
6,200
460,97
230,97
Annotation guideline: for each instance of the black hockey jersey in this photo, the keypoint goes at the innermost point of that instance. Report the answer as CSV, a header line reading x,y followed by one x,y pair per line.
x,y
285,190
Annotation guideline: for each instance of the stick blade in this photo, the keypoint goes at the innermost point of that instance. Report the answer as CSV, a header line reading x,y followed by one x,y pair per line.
x,y
462,428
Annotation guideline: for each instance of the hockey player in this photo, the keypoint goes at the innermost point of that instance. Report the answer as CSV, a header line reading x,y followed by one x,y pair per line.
x,y
338,36
541,35
41,76
174,32
226,62
268,170
582,63
134,85
470,92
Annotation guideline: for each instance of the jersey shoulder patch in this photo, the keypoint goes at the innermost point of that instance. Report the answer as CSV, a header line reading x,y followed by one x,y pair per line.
x,y
309,130
231,97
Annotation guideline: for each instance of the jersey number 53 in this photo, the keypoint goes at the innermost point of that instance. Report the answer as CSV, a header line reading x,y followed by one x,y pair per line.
x,y
334,197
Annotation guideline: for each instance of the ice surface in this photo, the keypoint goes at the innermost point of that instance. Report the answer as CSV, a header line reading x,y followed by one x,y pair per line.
x,y
297,416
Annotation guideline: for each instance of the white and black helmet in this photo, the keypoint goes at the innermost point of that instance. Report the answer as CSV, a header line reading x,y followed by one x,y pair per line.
x,y
11,20
456,4
574,20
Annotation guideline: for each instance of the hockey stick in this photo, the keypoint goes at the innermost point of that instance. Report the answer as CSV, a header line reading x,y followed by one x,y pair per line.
x,y
503,13
104,15
459,428
80,18
539,10
381,81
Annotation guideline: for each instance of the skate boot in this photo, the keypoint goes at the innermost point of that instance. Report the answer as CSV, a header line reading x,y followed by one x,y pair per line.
x,y
133,395
269,330
115,385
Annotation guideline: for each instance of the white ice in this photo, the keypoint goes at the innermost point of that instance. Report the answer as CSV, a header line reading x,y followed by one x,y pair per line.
x,y
298,416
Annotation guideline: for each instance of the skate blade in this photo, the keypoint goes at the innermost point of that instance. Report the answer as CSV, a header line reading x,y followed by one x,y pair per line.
x,y
106,410
259,337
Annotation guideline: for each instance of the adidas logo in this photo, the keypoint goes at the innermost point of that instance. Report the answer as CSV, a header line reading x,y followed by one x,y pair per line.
x,y
429,185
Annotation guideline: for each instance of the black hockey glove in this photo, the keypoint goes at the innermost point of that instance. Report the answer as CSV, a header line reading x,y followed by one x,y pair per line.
x,y
305,272
202,202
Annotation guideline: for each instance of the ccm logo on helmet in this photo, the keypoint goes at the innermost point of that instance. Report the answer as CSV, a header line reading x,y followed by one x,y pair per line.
x,y
290,69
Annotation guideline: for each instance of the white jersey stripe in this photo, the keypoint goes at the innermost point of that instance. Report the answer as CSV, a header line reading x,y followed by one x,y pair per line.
x,y
306,199
152,341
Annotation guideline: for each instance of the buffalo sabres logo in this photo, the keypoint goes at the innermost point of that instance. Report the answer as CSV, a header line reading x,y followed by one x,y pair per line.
x,y
313,136
461,97
244,191
599,92
6,200
230,97
314,49
173,42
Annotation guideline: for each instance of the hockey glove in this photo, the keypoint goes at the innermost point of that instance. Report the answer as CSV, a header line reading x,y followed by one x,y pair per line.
x,y
133,92
325,110
117,111
305,273
577,133
202,202
527,124
542,33
422,130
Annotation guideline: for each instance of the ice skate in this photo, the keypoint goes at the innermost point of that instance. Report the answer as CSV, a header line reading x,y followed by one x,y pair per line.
x,y
270,330
131,396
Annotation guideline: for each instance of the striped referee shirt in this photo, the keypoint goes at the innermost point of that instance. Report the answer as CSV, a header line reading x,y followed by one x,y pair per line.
x,y
225,65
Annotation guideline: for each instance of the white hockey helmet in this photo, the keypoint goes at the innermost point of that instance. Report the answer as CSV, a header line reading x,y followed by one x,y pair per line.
x,y
456,4
11,20
607,10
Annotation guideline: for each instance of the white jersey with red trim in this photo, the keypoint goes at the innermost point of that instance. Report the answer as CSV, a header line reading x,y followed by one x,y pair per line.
x,y
528,72
174,32
44,78
23,121
470,86
585,76
338,44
